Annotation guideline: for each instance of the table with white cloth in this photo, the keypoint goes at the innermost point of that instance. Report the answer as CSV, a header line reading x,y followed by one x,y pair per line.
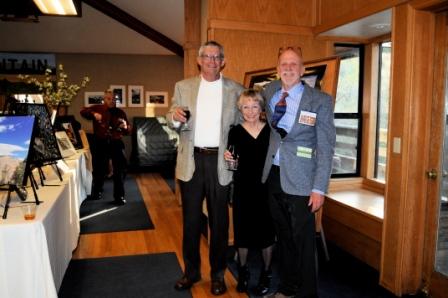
x,y
34,254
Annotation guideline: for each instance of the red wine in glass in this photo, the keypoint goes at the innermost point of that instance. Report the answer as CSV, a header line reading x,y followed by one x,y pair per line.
x,y
187,115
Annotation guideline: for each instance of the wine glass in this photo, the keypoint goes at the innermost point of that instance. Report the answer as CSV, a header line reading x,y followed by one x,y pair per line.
x,y
232,165
187,112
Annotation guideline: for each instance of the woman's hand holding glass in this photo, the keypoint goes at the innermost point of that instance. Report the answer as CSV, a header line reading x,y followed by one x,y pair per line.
x,y
231,158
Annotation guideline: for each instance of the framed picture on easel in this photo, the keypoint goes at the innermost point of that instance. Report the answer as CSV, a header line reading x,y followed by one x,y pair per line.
x,y
45,146
16,137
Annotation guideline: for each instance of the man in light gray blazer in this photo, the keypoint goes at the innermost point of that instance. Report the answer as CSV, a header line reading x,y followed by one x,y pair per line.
x,y
297,169
211,100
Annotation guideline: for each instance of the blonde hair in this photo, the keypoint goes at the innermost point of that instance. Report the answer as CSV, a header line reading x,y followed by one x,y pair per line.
x,y
252,94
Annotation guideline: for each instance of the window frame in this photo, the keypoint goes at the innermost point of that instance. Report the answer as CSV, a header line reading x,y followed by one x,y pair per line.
x,y
379,61
359,114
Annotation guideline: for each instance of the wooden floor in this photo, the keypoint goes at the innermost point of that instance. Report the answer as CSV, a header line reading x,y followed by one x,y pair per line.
x,y
166,237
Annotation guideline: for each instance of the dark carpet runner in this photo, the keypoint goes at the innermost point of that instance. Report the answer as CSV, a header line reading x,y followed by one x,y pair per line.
x,y
342,277
151,275
100,216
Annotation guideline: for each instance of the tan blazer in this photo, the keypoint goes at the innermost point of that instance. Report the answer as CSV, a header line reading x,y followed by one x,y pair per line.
x,y
185,94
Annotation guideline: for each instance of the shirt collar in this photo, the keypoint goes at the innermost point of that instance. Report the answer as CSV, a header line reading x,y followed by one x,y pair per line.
x,y
294,91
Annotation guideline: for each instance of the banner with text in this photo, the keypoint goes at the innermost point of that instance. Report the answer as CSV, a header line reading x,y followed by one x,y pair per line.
x,y
27,63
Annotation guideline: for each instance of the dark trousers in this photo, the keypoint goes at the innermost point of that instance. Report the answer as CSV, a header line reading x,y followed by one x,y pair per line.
x,y
105,150
295,227
205,184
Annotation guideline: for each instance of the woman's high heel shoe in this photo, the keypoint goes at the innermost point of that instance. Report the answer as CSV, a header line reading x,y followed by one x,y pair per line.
x,y
264,283
243,279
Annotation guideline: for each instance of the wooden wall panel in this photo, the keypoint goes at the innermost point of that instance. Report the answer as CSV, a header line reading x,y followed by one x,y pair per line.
x,y
334,13
357,244
248,51
285,12
192,36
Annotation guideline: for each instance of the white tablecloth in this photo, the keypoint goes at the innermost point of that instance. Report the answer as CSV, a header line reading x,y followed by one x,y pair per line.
x,y
35,254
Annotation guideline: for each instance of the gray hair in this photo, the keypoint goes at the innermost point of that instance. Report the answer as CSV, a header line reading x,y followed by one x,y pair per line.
x,y
211,43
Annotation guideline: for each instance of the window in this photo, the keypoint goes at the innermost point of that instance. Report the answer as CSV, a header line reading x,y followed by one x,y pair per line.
x,y
382,110
348,111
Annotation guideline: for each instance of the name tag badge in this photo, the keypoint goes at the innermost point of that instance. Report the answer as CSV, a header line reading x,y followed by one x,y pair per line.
x,y
304,152
307,118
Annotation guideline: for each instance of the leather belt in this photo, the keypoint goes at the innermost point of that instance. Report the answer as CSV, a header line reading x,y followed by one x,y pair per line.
x,y
206,150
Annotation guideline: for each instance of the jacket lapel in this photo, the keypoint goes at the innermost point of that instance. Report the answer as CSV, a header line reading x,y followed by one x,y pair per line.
x,y
305,105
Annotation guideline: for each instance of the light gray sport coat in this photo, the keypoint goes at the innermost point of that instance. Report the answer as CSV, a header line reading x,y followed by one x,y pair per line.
x,y
299,174
185,94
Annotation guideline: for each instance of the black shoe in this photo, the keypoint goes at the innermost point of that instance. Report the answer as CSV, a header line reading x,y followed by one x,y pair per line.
x,y
263,283
96,196
120,201
185,283
218,287
243,279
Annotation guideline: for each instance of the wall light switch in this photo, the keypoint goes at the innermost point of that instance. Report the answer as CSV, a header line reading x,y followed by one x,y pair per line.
x,y
397,145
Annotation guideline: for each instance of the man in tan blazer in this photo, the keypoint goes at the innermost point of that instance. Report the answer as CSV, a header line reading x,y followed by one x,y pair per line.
x,y
211,101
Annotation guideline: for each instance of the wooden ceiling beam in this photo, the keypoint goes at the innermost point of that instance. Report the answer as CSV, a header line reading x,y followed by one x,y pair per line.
x,y
126,19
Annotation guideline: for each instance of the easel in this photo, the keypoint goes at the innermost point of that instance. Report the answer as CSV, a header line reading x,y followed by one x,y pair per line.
x,y
20,194
42,175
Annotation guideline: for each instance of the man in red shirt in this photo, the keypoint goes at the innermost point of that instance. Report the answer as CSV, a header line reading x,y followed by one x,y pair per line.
x,y
109,125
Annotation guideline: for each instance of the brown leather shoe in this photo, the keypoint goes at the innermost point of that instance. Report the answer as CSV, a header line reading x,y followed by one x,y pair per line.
x,y
185,283
218,287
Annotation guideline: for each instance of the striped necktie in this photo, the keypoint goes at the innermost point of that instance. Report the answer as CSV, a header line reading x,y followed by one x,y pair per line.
x,y
279,110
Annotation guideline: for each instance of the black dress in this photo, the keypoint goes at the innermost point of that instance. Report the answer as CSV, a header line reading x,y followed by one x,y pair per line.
x,y
253,227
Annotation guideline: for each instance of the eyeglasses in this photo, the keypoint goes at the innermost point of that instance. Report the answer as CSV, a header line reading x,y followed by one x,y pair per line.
x,y
211,58
297,50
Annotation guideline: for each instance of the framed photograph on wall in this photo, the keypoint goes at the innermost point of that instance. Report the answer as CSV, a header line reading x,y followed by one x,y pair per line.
x,y
135,96
156,99
321,74
119,92
93,98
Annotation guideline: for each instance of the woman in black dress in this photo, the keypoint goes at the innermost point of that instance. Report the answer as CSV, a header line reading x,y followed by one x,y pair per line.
x,y
253,227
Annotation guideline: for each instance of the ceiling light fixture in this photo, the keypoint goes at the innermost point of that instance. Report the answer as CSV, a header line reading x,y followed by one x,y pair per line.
x,y
57,7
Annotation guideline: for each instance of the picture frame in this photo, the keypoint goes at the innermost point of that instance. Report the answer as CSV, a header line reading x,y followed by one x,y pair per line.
x,y
65,144
119,93
84,140
71,126
45,146
93,98
16,139
321,74
135,96
156,99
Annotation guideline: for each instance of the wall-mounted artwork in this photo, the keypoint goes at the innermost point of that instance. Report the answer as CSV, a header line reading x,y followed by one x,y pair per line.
x,y
321,74
119,92
135,96
156,99
93,98
16,135
45,146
